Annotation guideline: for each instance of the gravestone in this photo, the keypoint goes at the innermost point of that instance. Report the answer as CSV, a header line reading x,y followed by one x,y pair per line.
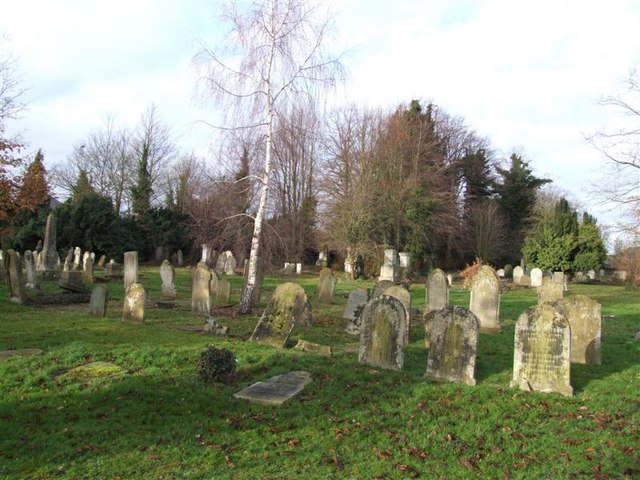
x,y
298,268
380,287
585,319
453,345
200,293
179,258
77,258
68,261
130,268
525,280
437,291
357,299
404,296
113,269
275,390
98,301
508,271
542,351
349,261
221,263
450,279
167,275
49,259
14,272
102,261
223,292
2,269
71,280
305,346
485,299
288,307
87,270
404,262
579,277
135,301
30,271
213,283
382,333
561,279
518,272
591,274
550,291
390,270
500,272
327,284
85,255
323,259
230,264
536,277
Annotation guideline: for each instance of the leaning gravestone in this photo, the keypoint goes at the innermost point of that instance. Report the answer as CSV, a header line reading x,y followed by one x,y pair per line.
x,y
453,345
542,352
437,291
485,299
14,272
357,299
200,293
167,275
135,301
382,333
518,272
276,390
536,277
550,291
223,292
98,301
585,319
404,296
130,268
30,269
327,285
289,306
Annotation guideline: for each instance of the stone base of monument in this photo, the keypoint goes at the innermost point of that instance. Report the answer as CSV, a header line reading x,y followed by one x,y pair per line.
x,y
276,390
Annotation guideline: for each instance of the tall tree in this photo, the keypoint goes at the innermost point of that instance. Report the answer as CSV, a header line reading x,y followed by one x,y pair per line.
x,y
34,191
279,44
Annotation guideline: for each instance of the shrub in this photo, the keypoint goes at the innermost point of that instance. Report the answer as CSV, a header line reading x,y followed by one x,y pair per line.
x,y
469,271
217,365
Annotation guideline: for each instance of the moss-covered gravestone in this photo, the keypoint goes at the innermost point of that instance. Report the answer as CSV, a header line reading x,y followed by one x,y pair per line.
x,y
200,290
542,351
402,294
485,299
382,333
453,345
98,301
585,318
326,286
14,273
135,301
223,292
288,307
550,291
437,294
167,275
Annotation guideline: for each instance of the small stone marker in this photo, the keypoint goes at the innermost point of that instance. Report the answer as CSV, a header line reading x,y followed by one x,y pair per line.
x,y
585,319
518,272
542,352
98,301
550,291
223,292
357,298
276,390
536,277
167,275
288,307
305,346
485,299
200,293
130,268
454,340
437,291
135,301
14,272
327,285
382,333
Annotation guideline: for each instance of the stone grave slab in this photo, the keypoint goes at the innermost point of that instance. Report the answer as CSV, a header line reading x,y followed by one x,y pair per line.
x,y
20,352
275,390
383,333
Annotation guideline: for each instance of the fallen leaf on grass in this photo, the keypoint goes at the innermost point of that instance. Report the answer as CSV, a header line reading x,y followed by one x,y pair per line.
x,y
337,462
173,464
292,442
154,457
228,462
597,472
467,463
383,455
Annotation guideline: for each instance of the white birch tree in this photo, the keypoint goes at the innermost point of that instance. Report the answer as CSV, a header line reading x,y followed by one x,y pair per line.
x,y
273,53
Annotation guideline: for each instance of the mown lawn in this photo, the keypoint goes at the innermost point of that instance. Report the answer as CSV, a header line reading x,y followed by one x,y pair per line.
x,y
160,421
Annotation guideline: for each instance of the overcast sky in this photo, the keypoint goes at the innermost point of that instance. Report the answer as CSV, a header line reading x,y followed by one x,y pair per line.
x,y
525,74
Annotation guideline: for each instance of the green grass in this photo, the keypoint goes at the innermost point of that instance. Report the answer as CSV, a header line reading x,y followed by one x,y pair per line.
x,y
158,420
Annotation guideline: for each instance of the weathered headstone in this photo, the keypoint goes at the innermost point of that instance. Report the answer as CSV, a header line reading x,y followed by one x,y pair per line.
x,y
275,390
500,272
213,327
380,287
323,259
298,268
404,296
404,262
113,269
30,271
525,280
585,319
135,301
382,333
518,272
200,293
390,270
485,299
102,261
437,291
221,262
536,277
71,280
326,286
508,271
77,258
167,275
349,261
68,261
98,301
450,279
87,270
223,292
179,258
357,299
591,274
130,268
305,346
49,259
288,307
453,345
14,272
230,263
542,352
561,279
550,291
